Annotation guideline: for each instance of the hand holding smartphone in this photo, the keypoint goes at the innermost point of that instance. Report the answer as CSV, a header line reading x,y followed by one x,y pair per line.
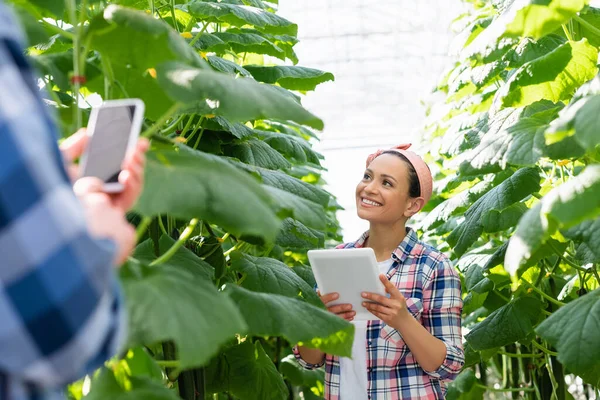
x,y
113,129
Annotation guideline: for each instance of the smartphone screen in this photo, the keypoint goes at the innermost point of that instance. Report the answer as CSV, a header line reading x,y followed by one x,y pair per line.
x,y
108,144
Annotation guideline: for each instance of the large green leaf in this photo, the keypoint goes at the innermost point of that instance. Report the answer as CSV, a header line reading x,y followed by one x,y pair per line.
x,y
508,324
524,182
456,204
564,206
536,18
288,204
290,184
105,386
239,99
579,120
223,65
246,372
295,236
294,147
256,152
167,303
246,42
501,220
240,16
587,234
573,330
290,77
149,41
295,320
268,275
553,77
299,376
189,184
531,49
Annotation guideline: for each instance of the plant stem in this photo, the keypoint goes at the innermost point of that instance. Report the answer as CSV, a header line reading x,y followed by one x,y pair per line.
x,y
587,24
173,249
162,226
175,24
544,295
195,39
71,6
56,29
141,228
187,125
164,118
567,33
519,355
543,349
237,246
168,363
491,389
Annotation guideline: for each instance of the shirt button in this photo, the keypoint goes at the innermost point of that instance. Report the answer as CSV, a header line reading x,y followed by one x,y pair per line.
x,y
370,343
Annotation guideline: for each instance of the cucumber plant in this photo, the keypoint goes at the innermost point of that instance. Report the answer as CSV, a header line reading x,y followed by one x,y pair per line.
x,y
515,147
217,289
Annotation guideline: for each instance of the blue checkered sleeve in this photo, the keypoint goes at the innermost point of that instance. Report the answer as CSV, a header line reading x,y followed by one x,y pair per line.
x,y
60,304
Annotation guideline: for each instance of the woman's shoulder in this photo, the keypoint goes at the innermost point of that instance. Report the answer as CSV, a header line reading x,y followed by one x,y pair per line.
x,y
437,262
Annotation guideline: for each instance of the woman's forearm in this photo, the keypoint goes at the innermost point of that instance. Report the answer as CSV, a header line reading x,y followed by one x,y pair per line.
x,y
311,356
429,351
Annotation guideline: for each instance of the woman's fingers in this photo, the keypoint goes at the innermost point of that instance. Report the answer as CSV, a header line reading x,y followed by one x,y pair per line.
x,y
340,308
329,297
374,307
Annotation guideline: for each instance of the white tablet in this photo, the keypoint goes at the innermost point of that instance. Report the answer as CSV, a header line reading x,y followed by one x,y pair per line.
x,y
348,272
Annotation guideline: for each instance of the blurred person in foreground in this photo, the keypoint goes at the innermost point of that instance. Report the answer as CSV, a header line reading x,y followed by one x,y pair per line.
x,y
61,310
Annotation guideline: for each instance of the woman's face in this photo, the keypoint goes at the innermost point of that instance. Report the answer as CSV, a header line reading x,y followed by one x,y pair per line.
x,y
382,195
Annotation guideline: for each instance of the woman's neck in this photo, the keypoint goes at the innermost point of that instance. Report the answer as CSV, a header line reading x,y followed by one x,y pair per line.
x,y
385,239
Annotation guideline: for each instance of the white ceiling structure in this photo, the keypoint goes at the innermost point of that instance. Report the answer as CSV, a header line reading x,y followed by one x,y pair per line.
x,y
386,56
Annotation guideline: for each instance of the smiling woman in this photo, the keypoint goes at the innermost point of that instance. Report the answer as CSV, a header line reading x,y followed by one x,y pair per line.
x,y
414,347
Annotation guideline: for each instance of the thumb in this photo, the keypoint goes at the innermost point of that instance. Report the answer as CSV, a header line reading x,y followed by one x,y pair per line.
x,y
87,185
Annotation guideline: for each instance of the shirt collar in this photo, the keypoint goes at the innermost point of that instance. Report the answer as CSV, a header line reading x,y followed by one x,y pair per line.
x,y
404,248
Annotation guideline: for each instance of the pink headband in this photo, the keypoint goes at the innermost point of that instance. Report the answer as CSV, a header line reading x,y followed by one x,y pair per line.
x,y
423,172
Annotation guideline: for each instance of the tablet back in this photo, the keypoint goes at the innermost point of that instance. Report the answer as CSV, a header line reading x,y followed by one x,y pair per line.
x,y
348,272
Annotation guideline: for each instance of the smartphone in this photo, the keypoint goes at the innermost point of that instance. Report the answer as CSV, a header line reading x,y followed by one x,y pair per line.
x,y
113,128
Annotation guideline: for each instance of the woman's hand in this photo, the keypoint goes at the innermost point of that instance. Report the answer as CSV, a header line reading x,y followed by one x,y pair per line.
x,y
391,310
342,310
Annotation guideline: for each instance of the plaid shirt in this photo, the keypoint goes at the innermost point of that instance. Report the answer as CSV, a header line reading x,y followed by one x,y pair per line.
x,y
432,290
60,312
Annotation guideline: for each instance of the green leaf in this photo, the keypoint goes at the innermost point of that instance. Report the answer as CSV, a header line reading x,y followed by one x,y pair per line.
x,y
579,120
240,16
501,220
573,330
168,303
524,182
508,324
267,275
188,184
563,207
149,41
310,214
229,67
587,234
293,147
475,280
222,42
183,258
105,386
553,77
290,184
140,363
305,272
294,320
456,204
536,18
239,99
246,372
530,49
295,236
256,152
290,77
